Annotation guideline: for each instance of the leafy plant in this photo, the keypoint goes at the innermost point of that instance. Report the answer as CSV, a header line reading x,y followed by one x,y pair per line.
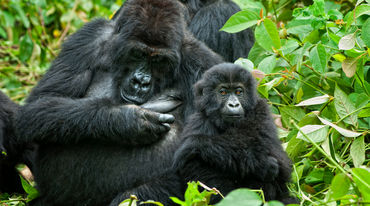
x,y
314,72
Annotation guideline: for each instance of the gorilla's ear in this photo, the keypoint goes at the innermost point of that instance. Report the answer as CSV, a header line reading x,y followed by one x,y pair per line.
x,y
198,88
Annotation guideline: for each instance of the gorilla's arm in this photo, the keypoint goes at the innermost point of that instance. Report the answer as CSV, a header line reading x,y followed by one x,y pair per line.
x,y
58,111
207,22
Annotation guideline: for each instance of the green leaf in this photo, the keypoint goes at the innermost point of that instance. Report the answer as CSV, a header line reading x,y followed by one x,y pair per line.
x,y
344,132
32,193
273,203
245,63
314,101
26,48
267,64
363,185
267,36
291,112
349,66
240,21
315,176
318,58
365,35
241,197
339,186
358,151
21,14
359,11
318,8
316,133
347,42
344,106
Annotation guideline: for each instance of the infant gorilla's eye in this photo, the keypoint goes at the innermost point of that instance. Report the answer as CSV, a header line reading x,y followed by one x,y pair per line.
x,y
239,91
223,91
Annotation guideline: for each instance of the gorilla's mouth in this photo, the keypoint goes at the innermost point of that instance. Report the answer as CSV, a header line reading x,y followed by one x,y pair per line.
x,y
133,99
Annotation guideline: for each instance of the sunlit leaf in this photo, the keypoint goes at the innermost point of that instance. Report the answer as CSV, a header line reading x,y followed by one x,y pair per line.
x,y
339,186
267,64
267,36
318,58
344,132
344,106
349,66
347,42
358,151
316,133
240,21
245,63
314,101
363,184
241,197
366,32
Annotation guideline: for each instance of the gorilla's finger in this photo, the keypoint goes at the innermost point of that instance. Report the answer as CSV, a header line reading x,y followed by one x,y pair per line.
x,y
166,118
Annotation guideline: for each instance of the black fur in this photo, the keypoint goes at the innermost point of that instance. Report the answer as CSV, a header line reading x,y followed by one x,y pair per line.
x,y
92,141
223,154
12,152
205,18
208,17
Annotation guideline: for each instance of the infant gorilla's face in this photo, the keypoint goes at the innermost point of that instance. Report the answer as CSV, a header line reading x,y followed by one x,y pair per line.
x,y
231,96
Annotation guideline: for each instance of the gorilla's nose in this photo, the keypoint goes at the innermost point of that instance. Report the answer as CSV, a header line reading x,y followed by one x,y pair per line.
x,y
142,81
233,104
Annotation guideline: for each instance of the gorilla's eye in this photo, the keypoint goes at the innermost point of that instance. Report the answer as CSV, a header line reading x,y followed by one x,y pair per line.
x,y
223,91
238,91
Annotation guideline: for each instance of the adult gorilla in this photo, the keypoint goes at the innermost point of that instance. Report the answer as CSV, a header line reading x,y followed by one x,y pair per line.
x,y
205,19
94,140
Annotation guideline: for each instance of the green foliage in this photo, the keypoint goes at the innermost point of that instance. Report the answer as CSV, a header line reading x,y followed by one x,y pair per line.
x,y
31,33
317,81
311,59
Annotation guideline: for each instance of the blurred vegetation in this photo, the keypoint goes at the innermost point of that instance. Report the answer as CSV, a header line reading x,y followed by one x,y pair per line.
x,y
31,33
311,59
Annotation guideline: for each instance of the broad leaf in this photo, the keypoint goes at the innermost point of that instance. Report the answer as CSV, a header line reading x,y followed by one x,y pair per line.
x,y
314,101
241,197
366,33
318,58
291,112
26,48
344,106
316,133
339,186
267,36
347,42
363,185
240,21
359,11
349,66
273,203
245,63
267,64
344,132
358,151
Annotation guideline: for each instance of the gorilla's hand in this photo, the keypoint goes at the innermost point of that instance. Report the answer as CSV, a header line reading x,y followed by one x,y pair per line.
x,y
147,126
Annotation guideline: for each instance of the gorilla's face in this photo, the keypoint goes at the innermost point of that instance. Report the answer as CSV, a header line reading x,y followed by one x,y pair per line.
x,y
231,97
147,47
147,72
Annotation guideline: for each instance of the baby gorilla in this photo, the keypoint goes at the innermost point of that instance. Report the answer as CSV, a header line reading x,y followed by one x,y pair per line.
x,y
228,143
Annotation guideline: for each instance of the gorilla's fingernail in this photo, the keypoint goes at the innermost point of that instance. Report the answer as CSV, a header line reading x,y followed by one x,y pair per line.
x,y
168,127
166,118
